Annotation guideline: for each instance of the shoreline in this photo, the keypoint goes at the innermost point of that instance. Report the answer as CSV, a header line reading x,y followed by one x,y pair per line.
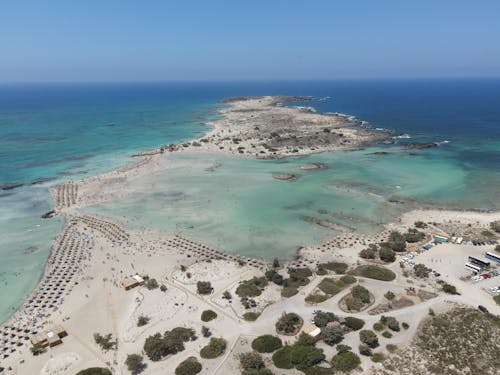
x,y
93,232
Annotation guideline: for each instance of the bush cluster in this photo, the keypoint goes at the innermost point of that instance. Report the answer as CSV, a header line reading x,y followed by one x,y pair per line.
x,y
266,344
159,346
215,348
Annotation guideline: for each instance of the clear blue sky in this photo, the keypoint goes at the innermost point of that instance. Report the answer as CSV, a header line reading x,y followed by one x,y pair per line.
x,y
133,40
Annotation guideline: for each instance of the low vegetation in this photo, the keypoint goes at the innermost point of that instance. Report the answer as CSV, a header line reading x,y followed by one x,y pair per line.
x,y
95,371
134,363
461,338
253,364
266,344
345,361
105,342
142,320
215,348
369,338
204,287
374,272
208,315
337,267
251,316
252,287
158,346
289,324
189,366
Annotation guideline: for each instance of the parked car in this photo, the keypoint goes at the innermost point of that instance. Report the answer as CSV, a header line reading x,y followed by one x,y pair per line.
x,y
482,308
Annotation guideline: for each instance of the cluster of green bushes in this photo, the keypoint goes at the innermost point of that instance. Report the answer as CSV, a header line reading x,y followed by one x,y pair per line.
x,y
208,315
414,235
204,287
159,346
420,270
266,344
105,342
135,364
289,324
297,277
273,276
252,287
253,364
337,267
345,360
358,298
448,288
302,355
374,272
369,338
189,366
215,348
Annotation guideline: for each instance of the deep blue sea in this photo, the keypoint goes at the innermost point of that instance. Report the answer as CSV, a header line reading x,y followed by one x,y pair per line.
x,y
52,133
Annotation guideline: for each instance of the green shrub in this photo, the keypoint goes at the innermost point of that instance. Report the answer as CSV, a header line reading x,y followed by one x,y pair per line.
x,y
288,292
304,356
266,344
346,361
386,254
315,298
369,338
420,224
322,318
208,315
354,323
337,267
397,241
204,287
348,279
252,287
375,272
151,284
378,357
332,335
158,346
142,321
420,270
392,323
353,304
405,325
281,358
273,276
378,326
94,371
215,348
189,366
251,361
134,363
360,293
365,350
497,299
251,316
289,324
370,252
391,348
450,289
105,342
387,334
414,235
389,295
330,286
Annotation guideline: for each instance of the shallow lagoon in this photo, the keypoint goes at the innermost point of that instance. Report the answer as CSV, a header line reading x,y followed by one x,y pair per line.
x,y
235,204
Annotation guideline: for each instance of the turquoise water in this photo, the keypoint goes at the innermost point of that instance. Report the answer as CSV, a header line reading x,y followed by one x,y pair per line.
x,y
240,208
54,133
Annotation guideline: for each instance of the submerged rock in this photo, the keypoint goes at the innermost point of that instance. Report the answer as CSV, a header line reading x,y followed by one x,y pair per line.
x,y
312,166
421,146
284,176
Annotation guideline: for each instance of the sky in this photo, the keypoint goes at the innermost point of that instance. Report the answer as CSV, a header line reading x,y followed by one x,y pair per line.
x,y
153,40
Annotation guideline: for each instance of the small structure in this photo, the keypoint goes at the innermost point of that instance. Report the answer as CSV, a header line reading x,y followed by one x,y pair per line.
x,y
312,330
439,238
132,282
50,337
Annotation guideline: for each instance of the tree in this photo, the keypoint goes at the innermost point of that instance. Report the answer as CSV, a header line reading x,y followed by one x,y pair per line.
x,y
205,331
369,338
189,366
273,276
332,335
142,321
420,270
387,254
266,344
354,323
151,284
276,263
414,235
341,348
227,295
204,287
369,253
251,361
397,241
134,363
289,323
365,350
389,295
322,318
157,346
361,293
105,342
215,348
345,361
303,356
